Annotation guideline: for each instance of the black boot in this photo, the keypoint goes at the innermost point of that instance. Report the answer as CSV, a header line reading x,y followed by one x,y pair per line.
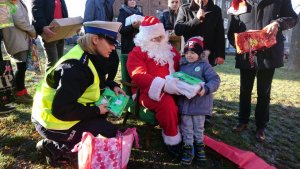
x,y
55,154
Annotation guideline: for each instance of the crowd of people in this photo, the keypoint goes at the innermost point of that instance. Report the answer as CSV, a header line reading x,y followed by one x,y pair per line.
x,y
64,107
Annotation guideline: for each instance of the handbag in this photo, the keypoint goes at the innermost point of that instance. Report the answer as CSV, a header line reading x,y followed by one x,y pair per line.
x,y
33,60
105,153
6,82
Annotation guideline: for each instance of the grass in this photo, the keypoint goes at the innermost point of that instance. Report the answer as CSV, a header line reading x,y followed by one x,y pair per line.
x,y
281,149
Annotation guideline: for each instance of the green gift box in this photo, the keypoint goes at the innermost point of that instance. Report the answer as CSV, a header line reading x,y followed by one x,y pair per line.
x,y
115,104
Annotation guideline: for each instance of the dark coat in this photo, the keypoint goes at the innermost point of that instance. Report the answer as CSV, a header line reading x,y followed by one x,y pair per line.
x,y
43,13
211,29
127,32
265,12
166,19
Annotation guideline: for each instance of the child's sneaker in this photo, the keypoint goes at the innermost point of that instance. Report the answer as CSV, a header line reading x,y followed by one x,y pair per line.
x,y
187,154
200,153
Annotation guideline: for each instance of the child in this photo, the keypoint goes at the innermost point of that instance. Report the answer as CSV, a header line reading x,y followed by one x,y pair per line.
x,y
193,110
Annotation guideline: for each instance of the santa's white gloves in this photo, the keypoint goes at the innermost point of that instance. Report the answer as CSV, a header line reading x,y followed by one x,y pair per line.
x,y
171,85
175,86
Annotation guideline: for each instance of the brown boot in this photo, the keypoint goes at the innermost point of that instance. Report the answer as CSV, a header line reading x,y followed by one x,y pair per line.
x,y
260,135
240,127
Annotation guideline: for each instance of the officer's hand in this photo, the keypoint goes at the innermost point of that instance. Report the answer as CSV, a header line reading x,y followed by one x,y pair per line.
x,y
103,108
118,91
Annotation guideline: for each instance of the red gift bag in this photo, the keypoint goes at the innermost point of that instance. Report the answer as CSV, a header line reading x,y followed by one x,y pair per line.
x,y
105,153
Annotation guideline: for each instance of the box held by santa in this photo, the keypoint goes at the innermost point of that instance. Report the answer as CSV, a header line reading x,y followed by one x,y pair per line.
x,y
64,28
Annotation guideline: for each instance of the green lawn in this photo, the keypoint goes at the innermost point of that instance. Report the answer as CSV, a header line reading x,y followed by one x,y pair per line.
x,y
282,147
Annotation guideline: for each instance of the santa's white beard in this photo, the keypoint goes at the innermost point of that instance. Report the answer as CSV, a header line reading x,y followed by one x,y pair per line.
x,y
161,52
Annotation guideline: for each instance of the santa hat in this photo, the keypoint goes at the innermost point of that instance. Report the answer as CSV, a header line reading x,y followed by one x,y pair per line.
x,y
151,28
194,44
237,7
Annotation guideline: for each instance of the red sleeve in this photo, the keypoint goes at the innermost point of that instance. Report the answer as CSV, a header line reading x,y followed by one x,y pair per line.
x,y
137,69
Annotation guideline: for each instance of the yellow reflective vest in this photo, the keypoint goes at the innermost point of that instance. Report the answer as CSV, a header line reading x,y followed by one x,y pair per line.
x,y
42,105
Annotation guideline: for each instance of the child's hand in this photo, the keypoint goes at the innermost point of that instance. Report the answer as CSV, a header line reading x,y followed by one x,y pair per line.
x,y
103,108
202,91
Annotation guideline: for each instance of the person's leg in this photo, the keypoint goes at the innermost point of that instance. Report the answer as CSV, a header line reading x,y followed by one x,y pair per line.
x,y
166,113
246,85
51,53
264,83
21,91
60,48
59,143
187,131
198,122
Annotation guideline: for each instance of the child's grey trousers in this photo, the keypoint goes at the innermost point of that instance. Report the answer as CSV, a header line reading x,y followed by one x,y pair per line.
x,y
192,128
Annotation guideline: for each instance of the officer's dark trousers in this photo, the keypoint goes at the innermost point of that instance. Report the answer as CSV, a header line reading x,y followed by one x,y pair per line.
x,y
66,139
264,81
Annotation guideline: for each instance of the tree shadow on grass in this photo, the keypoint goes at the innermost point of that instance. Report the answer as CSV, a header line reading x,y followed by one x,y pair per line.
x,y
228,68
281,147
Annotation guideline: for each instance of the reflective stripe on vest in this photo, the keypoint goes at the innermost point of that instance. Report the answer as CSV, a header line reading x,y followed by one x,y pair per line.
x,y
42,106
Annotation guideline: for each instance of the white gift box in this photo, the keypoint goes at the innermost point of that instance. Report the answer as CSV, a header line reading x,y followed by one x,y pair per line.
x,y
133,18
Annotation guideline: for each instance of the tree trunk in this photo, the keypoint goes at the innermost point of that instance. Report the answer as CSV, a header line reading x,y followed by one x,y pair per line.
x,y
294,56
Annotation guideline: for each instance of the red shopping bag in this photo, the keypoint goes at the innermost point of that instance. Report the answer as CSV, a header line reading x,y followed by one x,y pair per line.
x,y
105,153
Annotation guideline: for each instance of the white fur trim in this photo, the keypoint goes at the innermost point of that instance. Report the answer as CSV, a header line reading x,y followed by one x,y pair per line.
x,y
171,65
156,88
232,11
149,32
172,140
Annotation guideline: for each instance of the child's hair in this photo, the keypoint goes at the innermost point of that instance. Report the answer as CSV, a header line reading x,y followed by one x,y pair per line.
x,y
196,45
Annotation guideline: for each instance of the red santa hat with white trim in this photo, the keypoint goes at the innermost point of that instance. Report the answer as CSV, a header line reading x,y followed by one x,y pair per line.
x,y
237,7
151,27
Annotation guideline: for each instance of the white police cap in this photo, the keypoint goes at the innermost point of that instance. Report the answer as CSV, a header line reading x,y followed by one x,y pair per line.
x,y
108,29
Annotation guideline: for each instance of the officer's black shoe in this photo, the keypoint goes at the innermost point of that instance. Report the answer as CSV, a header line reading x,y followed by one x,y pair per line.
x,y
54,156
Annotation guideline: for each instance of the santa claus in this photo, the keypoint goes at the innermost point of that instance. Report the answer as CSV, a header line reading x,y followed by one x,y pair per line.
x,y
148,64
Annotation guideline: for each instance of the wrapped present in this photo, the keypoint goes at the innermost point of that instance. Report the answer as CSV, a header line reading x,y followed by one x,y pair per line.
x,y
249,41
64,28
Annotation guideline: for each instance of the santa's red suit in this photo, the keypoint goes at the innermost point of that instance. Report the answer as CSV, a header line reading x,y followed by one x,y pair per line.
x,y
149,74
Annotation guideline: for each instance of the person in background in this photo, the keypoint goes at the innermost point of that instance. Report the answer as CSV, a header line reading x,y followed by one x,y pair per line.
x,y
63,105
4,108
274,17
169,16
193,110
102,10
44,11
148,64
203,18
206,22
128,32
16,40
